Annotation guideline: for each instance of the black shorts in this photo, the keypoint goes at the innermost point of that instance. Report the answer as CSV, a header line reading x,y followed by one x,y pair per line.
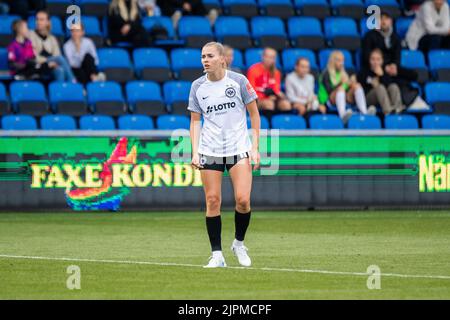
x,y
220,163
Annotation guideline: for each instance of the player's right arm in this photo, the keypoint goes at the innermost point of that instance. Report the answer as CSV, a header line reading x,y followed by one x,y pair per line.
x,y
195,128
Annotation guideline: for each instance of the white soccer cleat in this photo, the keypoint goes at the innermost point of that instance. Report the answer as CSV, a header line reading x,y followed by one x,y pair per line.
x,y
241,253
216,262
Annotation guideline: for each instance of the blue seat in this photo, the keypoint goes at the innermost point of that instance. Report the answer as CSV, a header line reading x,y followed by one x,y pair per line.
x,y
288,122
4,69
402,25
439,61
97,122
313,8
269,32
67,98
437,93
390,6
105,98
242,8
290,57
165,22
135,122
58,122
325,122
145,97
28,97
414,59
264,122
306,32
254,55
238,60
19,122
436,121
173,122
279,8
176,95
404,121
348,8
5,29
152,64
4,101
342,33
359,121
116,64
325,54
57,28
186,63
196,31
91,25
233,31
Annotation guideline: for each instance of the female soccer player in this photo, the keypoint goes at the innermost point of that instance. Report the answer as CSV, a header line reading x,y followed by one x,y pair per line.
x,y
222,97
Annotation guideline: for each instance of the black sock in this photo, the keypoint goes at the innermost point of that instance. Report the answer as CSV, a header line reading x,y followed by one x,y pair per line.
x,y
214,227
241,222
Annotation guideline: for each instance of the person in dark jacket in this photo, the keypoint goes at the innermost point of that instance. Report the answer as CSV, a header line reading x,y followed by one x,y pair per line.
x,y
178,8
124,24
380,88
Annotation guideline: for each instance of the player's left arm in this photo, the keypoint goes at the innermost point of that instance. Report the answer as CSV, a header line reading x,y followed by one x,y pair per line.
x,y
255,120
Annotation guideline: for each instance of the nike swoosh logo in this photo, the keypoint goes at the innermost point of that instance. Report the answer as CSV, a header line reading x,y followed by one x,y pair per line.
x,y
205,97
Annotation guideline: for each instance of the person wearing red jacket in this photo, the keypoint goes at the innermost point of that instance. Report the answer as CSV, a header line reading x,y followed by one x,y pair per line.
x,y
266,80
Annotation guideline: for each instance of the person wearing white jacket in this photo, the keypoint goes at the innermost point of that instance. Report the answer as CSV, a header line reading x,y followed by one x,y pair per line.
x,y
431,27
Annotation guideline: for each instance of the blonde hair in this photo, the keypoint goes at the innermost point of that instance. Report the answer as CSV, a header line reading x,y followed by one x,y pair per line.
x,y
220,49
331,67
119,6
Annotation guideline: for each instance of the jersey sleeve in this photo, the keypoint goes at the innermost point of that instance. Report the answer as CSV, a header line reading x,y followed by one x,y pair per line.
x,y
194,106
248,93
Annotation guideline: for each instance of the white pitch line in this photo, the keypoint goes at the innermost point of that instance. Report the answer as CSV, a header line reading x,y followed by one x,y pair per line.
x,y
422,276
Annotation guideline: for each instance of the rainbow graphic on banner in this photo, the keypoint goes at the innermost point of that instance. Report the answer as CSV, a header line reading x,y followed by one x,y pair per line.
x,y
104,197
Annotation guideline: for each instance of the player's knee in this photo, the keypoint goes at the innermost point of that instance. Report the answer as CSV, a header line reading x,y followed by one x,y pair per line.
x,y
243,203
213,202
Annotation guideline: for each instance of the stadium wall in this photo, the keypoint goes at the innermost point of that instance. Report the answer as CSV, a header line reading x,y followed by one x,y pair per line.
x,y
146,170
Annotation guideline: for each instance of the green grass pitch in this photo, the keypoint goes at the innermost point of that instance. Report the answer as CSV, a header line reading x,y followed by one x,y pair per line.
x,y
127,253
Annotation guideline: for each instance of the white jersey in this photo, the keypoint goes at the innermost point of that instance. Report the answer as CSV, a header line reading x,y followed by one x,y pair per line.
x,y
223,106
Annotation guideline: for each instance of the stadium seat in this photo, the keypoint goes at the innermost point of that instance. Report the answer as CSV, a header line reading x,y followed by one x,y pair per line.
x,y
106,98
264,122
288,122
348,8
144,97
325,122
176,94
186,63
277,8
436,121
404,121
135,122
413,59
269,32
233,31
4,69
97,122
306,32
116,64
238,60
28,97
92,30
360,121
437,95
195,31
325,54
313,8
173,122
390,6
439,61
342,33
6,35
152,64
162,21
18,122
290,57
58,122
97,8
67,98
4,101
363,26
242,8
254,55
402,25
58,7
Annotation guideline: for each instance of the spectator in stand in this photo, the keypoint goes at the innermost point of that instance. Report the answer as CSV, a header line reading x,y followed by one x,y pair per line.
x,y
336,87
125,25
229,58
431,28
47,51
23,7
300,89
265,78
21,58
149,8
82,56
380,88
178,8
